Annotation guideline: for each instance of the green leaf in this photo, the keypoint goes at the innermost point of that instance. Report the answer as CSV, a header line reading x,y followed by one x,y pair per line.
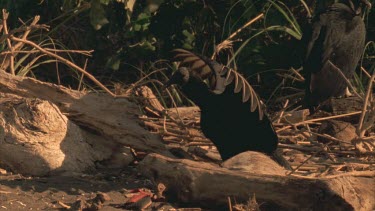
x,y
147,45
143,18
105,2
97,15
113,63
288,16
137,27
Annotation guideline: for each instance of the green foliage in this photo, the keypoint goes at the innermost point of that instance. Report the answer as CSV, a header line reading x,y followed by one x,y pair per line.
x,y
97,14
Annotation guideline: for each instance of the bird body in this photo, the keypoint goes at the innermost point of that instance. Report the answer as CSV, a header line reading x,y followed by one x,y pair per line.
x,y
335,43
231,119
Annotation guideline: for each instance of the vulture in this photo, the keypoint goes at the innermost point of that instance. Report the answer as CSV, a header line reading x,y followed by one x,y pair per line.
x,y
232,115
335,42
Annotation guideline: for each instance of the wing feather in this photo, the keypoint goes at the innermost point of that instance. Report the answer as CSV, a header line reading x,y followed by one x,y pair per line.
x,y
220,76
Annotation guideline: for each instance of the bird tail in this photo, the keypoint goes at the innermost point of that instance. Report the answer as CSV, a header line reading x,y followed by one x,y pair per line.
x,y
278,157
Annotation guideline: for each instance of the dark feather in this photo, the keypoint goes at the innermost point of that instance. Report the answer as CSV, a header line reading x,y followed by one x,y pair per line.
x,y
226,119
213,71
336,35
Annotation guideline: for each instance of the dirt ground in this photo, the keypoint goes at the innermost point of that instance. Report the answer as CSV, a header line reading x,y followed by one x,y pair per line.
x,y
18,192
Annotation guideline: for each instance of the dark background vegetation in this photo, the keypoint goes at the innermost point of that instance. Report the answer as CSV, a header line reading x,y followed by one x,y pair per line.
x,y
133,38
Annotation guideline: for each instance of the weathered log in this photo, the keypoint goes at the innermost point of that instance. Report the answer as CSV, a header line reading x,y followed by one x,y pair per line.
x,y
49,129
36,139
210,185
115,119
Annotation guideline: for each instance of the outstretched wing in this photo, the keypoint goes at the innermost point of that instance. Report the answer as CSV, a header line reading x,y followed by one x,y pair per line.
x,y
199,64
241,84
220,77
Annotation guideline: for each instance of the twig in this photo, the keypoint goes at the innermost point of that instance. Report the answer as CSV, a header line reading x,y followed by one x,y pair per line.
x,y
329,137
83,52
297,73
360,130
81,79
353,173
299,148
63,205
23,29
326,118
229,204
309,158
345,78
246,25
282,111
365,71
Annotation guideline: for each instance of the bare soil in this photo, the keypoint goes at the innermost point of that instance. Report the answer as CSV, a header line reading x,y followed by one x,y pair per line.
x,y
19,192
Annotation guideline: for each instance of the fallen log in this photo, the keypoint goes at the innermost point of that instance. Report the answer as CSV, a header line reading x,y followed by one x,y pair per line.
x,y
49,129
36,139
112,118
210,185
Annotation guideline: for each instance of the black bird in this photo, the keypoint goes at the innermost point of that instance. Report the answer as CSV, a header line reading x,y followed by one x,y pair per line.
x,y
336,39
233,120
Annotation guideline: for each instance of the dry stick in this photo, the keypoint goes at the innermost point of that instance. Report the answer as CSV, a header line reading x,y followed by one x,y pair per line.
x,y
345,78
67,62
229,204
65,206
33,25
28,52
246,25
27,32
165,123
354,174
148,109
23,29
326,118
5,17
297,73
309,158
319,119
282,111
238,31
83,52
360,130
365,71
297,147
81,79
329,137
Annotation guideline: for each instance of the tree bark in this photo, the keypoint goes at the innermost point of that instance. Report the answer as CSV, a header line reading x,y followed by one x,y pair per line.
x,y
209,185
